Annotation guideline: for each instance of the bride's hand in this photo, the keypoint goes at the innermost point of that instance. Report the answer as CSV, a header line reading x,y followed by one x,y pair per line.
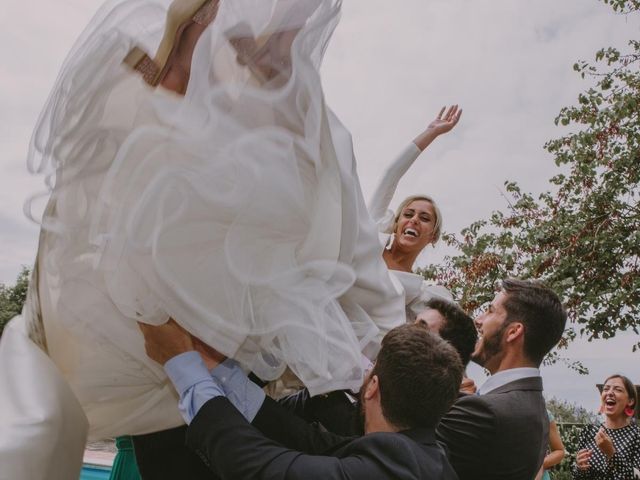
x,y
443,123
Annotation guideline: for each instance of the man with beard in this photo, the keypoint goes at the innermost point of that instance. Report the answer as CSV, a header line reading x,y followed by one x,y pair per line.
x,y
413,383
338,412
502,432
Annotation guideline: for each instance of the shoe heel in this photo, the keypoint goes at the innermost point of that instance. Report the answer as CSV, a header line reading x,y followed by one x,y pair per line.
x,y
180,14
139,61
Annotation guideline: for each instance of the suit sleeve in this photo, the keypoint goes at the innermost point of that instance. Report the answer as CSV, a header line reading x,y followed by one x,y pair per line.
x,y
464,429
298,403
280,425
235,449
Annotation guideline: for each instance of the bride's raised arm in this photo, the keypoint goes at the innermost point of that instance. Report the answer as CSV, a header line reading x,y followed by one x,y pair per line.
x,y
381,199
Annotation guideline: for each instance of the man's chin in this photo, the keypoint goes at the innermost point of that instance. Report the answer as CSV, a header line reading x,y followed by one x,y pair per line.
x,y
478,358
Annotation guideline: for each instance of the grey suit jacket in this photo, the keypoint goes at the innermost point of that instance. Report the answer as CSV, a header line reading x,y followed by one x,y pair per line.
x,y
502,435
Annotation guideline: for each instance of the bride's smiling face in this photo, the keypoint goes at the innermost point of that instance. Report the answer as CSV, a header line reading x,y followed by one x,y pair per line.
x,y
416,225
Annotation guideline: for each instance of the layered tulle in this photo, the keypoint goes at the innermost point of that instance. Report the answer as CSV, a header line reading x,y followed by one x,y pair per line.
x,y
235,209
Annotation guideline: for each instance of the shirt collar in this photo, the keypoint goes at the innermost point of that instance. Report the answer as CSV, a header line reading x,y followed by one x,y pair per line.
x,y
507,376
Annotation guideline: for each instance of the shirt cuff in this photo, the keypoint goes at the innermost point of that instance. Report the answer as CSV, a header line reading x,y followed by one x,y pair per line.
x,y
186,370
245,395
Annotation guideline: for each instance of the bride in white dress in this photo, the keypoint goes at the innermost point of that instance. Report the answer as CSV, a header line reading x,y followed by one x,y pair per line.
x,y
416,223
234,208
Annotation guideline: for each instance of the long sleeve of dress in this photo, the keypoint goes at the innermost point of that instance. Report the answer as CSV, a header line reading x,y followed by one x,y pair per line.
x,y
625,463
621,467
383,194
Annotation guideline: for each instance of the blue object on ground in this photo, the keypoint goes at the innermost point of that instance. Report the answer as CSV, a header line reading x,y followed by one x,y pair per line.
x,y
94,472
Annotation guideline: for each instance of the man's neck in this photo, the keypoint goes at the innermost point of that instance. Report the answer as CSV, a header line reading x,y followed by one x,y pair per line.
x,y
379,424
511,361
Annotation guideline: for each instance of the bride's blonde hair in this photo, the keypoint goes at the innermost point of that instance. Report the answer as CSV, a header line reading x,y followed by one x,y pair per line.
x,y
437,228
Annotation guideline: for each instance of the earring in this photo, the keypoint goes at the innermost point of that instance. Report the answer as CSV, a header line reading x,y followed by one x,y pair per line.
x,y
629,411
392,238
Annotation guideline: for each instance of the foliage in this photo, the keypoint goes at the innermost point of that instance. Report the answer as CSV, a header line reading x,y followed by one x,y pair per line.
x,y
570,419
565,412
570,434
582,238
13,297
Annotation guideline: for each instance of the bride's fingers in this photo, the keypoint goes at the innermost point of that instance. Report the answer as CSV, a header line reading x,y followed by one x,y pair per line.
x,y
451,112
457,116
439,117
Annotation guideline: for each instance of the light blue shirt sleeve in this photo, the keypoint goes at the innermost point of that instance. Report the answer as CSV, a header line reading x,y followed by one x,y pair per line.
x,y
245,395
196,385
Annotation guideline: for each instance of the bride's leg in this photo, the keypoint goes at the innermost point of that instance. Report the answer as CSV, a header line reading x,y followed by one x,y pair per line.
x,y
178,71
266,57
171,67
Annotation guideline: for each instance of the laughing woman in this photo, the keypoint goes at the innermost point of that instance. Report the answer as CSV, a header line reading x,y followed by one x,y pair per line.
x,y
611,450
416,223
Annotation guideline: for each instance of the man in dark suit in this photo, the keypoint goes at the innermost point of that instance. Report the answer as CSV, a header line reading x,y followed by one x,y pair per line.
x,y
502,433
339,412
414,381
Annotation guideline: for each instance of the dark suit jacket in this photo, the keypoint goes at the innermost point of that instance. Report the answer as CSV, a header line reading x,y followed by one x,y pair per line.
x,y
501,435
333,411
279,445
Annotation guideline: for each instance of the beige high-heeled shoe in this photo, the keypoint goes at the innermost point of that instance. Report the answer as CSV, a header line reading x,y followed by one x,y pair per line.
x,y
180,15
266,56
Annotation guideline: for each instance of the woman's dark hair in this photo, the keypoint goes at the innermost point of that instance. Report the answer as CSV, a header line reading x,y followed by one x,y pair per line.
x,y
629,387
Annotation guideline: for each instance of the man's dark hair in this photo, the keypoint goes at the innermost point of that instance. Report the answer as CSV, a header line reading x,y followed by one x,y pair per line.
x,y
459,329
539,309
419,375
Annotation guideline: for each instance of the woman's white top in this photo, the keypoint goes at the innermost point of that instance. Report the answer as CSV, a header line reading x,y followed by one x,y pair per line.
x,y
417,290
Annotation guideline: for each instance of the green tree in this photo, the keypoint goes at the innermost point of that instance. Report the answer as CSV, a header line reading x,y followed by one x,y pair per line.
x,y
12,298
570,419
566,412
582,237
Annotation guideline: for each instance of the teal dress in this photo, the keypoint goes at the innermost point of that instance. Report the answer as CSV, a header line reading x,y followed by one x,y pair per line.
x,y
124,464
546,475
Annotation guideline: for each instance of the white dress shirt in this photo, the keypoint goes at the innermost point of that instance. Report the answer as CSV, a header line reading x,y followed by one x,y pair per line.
x,y
507,376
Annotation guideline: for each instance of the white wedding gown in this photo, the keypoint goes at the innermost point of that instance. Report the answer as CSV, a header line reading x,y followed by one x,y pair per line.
x,y
235,209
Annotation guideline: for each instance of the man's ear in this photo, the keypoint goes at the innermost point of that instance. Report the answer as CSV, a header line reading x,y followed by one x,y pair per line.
x,y
372,388
514,331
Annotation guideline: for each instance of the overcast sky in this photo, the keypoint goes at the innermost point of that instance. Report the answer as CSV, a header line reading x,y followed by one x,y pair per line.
x,y
388,70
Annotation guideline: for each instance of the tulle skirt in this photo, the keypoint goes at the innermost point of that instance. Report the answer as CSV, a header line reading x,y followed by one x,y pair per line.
x,y
235,209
